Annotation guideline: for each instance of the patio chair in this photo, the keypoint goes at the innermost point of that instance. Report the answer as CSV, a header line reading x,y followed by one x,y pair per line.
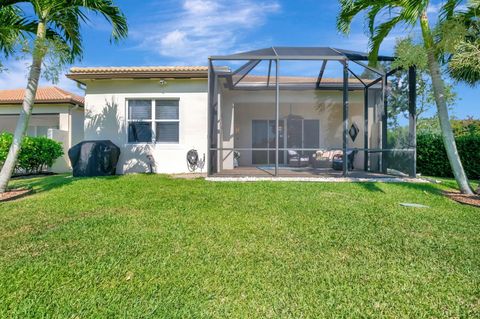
x,y
337,163
324,158
297,160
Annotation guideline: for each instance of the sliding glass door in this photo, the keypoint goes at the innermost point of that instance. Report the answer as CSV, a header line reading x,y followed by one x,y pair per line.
x,y
303,134
271,141
294,134
259,140
263,136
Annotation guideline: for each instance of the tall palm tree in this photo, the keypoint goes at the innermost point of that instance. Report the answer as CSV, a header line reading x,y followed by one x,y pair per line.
x,y
410,13
464,63
60,20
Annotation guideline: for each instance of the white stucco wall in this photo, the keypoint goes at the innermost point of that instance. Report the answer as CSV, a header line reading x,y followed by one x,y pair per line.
x,y
105,119
77,119
62,164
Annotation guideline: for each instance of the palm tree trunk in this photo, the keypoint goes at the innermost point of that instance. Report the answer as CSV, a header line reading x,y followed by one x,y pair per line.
x,y
26,111
439,93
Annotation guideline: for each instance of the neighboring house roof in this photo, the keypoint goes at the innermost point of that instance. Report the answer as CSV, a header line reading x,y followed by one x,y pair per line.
x,y
296,80
260,81
80,74
50,94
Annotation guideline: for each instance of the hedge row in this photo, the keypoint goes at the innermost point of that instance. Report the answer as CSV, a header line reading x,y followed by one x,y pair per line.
x,y
432,158
36,154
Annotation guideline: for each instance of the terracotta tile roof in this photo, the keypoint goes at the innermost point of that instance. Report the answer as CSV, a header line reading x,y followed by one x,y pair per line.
x,y
297,80
79,74
138,69
50,94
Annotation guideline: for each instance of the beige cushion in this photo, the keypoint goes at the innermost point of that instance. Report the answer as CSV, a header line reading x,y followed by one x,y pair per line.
x,y
326,155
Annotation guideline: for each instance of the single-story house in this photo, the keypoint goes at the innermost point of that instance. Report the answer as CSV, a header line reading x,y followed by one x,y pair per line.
x,y
158,111
231,113
57,114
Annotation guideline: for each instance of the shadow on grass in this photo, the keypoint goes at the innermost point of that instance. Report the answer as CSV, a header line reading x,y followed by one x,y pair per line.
x,y
451,183
433,189
372,187
41,183
425,187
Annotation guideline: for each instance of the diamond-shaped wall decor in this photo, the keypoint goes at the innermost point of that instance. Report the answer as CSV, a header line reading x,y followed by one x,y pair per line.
x,y
353,132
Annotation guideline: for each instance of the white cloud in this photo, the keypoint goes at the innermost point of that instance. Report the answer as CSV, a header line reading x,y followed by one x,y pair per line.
x,y
174,38
14,76
200,6
434,8
204,27
16,73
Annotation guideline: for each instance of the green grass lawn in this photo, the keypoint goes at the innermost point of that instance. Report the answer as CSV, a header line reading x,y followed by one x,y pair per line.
x,y
148,246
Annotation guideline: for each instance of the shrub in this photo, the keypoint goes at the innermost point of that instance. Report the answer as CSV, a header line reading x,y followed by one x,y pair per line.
x,y
468,126
432,157
36,154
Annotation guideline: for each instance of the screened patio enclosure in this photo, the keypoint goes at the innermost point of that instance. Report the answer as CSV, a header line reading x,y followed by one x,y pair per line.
x,y
298,111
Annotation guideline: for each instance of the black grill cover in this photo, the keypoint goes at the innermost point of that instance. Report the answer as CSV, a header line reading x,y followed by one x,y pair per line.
x,y
94,158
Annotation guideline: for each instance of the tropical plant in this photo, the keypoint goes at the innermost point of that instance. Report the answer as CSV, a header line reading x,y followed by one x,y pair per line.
x,y
58,24
459,40
36,154
411,13
461,127
397,97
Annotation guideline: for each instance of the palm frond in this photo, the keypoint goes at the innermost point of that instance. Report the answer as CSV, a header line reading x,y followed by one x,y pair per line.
x,y
371,17
464,50
67,25
12,28
448,9
7,3
110,12
412,10
397,11
379,35
464,65
348,10
66,17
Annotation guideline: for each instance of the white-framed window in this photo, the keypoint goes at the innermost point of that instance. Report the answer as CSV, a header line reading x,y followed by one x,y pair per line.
x,y
153,121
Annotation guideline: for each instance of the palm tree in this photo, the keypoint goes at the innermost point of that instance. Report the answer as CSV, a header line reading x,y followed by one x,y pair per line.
x,y
410,13
464,63
59,20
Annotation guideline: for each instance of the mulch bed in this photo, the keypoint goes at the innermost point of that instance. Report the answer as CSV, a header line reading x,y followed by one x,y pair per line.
x,y
14,194
472,200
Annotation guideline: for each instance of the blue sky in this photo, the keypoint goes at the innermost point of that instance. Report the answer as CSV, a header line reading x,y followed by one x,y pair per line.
x,y
185,32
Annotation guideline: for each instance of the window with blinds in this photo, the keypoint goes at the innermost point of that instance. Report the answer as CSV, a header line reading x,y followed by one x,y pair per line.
x,y
151,121
167,121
